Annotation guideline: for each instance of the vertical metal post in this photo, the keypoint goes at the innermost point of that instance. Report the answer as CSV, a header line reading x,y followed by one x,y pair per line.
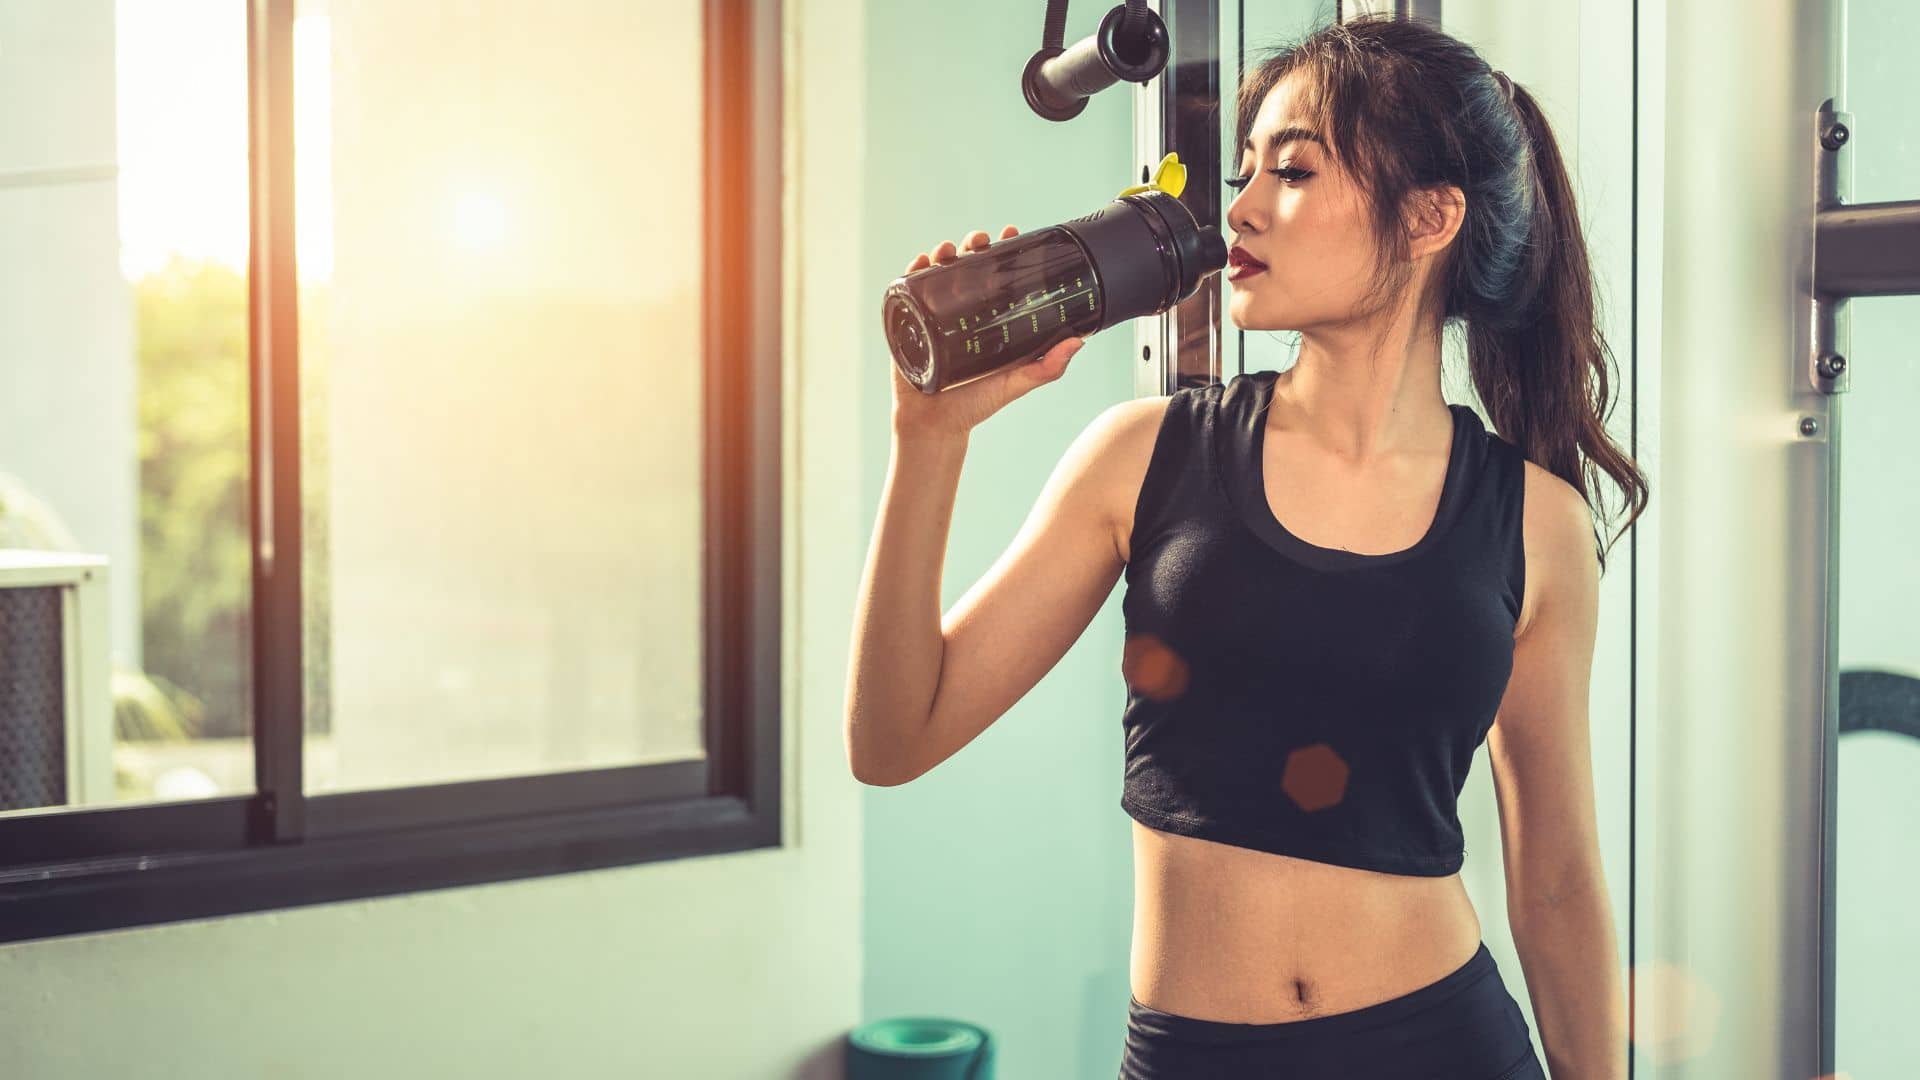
x,y
279,666
1747,608
1180,113
1151,348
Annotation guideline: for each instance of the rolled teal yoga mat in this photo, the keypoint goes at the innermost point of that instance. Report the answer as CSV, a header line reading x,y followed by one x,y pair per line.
x,y
919,1048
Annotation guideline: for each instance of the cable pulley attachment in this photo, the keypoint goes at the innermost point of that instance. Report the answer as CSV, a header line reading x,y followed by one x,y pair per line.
x,y
1131,44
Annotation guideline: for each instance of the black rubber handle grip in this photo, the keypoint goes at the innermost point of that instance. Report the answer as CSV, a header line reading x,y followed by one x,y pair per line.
x,y
1058,82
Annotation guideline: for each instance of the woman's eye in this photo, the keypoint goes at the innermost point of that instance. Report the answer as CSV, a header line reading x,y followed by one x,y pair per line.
x,y
1288,174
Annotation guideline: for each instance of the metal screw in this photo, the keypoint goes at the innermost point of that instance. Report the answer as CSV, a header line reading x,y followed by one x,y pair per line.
x,y
1834,137
1146,352
1832,366
1809,426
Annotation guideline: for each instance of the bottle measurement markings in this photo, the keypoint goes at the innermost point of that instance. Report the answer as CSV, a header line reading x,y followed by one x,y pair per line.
x,y
1057,298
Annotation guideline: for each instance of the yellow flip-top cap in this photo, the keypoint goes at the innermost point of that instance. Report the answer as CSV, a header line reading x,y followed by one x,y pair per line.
x,y
1170,177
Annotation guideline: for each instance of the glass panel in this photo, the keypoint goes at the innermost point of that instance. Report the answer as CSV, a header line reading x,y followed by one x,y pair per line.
x,y
501,254
125,579
1876,946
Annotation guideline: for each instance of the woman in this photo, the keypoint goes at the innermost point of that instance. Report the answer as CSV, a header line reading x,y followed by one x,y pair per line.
x,y
1305,698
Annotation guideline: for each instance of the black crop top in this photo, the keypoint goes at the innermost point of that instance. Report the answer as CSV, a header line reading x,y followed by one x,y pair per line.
x,y
1303,700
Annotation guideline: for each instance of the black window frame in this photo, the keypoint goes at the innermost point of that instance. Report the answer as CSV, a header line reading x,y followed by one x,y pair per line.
x,y
68,870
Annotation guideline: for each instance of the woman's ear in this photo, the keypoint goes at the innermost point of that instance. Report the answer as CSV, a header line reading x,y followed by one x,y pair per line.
x,y
1436,216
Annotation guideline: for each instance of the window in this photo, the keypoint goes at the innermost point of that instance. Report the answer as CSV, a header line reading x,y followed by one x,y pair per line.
x,y
389,433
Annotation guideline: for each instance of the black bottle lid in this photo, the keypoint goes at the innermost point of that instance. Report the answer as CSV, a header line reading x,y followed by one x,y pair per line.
x,y
1200,249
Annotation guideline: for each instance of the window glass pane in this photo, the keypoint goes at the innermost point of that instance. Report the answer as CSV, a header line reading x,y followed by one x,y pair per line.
x,y
499,220
125,576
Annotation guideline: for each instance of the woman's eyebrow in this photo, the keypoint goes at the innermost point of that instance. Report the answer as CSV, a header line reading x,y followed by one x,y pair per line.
x,y
1284,136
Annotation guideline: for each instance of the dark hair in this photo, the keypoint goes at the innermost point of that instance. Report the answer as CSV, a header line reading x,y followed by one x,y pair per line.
x,y
1404,106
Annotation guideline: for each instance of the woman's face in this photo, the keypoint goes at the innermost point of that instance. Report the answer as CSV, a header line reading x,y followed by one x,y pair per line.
x,y
1308,224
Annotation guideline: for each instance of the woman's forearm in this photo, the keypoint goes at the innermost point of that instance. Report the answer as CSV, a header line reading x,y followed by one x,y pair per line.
x,y
893,668
1573,978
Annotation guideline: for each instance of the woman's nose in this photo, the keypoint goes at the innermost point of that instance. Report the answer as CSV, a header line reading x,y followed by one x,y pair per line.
x,y
1239,219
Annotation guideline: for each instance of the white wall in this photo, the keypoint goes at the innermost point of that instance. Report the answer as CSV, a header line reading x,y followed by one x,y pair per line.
x,y
67,419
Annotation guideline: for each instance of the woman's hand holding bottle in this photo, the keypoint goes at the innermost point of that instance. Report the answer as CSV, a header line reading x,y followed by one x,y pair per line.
x,y
953,413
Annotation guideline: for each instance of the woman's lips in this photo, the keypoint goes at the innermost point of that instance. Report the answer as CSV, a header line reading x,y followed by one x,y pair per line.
x,y
1241,265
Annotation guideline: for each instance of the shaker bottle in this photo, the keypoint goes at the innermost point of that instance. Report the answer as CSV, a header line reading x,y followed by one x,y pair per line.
x,y
1140,254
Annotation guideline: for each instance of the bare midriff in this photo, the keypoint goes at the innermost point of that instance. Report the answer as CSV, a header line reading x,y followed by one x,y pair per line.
x,y
1248,937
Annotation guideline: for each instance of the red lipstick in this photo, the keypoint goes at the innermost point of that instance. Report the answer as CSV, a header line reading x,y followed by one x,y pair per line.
x,y
1241,265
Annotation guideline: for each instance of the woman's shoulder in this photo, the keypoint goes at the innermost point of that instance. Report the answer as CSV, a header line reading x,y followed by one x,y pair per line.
x,y
1126,434
1240,399
1128,431
1163,428
1138,427
1196,399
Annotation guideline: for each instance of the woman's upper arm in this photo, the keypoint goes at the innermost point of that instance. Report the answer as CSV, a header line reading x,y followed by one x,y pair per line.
x,y
1020,618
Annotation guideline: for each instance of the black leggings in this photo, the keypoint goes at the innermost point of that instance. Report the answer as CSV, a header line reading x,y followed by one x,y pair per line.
x,y
1465,1026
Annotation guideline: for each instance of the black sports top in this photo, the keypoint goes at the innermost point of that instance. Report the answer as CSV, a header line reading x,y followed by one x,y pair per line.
x,y
1302,700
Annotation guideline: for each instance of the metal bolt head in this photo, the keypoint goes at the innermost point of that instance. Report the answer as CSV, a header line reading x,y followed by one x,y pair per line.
x,y
1832,366
1835,136
1809,426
